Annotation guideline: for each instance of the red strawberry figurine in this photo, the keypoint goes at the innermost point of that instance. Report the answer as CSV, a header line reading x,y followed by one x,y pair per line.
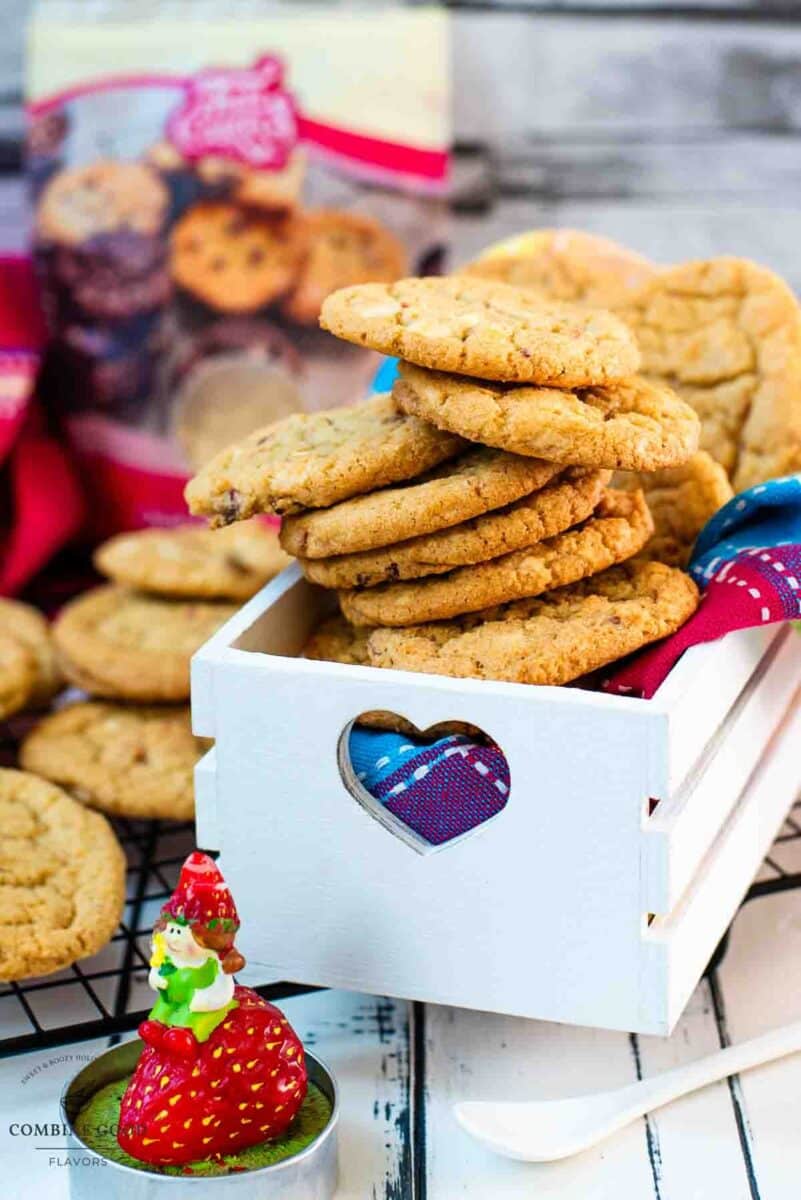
x,y
222,1069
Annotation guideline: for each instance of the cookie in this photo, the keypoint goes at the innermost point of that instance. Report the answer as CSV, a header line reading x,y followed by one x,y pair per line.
x,y
312,460
131,761
113,276
62,878
236,260
229,564
486,329
274,191
552,639
475,482
29,675
635,425
99,198
565,264
17,675
106,368
620,526
336,640
726,334
164,156
682,500
561,504
344,248
130,646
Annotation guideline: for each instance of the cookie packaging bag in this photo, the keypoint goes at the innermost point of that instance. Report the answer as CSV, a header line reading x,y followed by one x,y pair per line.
x,y
201,178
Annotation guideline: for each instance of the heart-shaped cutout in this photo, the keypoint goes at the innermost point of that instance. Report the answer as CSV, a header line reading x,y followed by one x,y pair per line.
x,y
430,789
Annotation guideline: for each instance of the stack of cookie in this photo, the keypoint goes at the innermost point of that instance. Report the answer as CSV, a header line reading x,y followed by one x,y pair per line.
x,y
129,642
471,510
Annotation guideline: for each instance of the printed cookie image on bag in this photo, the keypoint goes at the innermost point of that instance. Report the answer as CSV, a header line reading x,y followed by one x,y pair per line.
x,y
196,197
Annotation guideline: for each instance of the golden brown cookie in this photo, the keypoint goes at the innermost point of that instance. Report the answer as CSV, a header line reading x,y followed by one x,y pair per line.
x,y
101,197
311,460
634,424
565,264
681,500
29,675
475,482
17,675
561,504
551,639
482,328
344,248
130,761
336,640
229,564
726,334
62,878
274,191
236,260
130,646
620,526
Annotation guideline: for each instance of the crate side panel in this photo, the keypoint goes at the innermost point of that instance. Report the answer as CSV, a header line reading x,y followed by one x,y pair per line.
x,y
536,912
677,948
681,831
702,689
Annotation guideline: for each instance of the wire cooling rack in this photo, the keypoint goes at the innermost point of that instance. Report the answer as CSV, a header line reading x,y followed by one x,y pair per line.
x,y
107,995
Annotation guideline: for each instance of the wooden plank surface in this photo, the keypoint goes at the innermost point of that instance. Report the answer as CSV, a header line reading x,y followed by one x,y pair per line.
x,y
736,1139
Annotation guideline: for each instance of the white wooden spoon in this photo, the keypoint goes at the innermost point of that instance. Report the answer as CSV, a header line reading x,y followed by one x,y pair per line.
x,y
543,1130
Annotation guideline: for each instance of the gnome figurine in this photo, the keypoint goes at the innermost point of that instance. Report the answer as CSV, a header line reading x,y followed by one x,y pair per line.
x,y
222,1069
193,959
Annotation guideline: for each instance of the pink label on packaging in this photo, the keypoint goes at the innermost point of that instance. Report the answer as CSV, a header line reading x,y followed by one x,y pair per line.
x,y
242,114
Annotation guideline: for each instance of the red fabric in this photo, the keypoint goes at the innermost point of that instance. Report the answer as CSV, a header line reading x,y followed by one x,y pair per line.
x,y
46,507
126,497
759,586
42,503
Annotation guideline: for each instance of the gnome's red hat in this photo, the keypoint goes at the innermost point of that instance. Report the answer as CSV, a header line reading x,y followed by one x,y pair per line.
x,y
202,900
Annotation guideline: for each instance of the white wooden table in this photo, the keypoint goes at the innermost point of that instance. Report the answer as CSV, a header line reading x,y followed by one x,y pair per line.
x,y
400,1066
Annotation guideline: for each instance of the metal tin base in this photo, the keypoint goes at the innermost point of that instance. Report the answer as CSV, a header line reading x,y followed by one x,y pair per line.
x,y
310,1175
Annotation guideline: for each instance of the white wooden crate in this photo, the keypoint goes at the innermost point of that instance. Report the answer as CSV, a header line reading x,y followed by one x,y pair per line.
x,y
597,894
